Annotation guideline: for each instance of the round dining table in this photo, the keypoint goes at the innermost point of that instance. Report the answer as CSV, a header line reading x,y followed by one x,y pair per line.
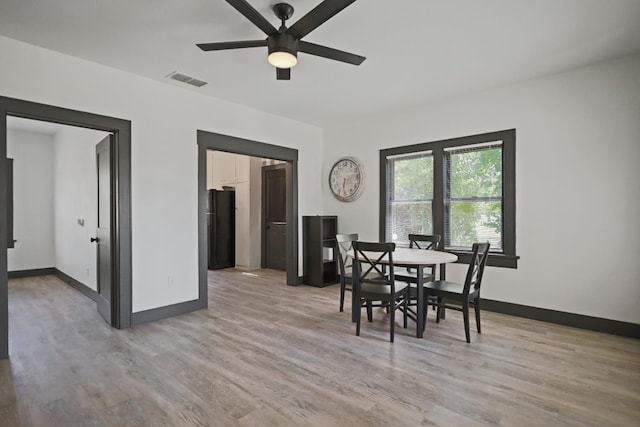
x,y
414,258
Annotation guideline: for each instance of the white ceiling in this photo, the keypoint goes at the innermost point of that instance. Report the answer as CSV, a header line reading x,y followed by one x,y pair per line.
x,y
418,51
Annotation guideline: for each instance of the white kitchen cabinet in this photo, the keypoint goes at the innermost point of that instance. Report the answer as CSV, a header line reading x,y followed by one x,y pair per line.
x,y
211,183
224,169
243,170
243,243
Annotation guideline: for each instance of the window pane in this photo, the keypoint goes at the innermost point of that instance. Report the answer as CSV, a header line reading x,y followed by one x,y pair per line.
x,y
476,173
410,209
413,178
472,222
409,217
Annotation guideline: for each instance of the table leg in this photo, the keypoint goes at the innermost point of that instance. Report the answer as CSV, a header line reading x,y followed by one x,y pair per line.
x,y
420,310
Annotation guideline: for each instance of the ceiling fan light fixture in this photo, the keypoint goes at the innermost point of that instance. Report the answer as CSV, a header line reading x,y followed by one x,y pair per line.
x,y
283,50
284,43
281,59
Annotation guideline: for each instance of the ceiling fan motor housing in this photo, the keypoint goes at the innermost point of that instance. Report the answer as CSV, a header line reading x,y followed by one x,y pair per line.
x,y
283,42
283,11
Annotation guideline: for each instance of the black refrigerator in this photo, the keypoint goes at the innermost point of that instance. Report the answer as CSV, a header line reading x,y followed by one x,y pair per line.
x,y
221,229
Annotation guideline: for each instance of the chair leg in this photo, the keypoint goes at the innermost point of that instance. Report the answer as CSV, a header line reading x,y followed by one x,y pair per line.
x,y
476,306
342,288
405,306
392,317
358,319
438,312
465,315
426,310
369,311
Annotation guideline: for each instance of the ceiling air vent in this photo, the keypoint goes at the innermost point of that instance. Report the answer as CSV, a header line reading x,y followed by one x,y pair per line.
x,y
186,79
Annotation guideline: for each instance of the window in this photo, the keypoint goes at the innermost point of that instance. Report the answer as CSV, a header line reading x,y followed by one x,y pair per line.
x,y
410,197
473,197
462,189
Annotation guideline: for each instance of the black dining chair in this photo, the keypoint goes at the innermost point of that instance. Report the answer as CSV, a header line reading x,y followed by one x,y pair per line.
x,y
410,275
375,282
344,243
462,295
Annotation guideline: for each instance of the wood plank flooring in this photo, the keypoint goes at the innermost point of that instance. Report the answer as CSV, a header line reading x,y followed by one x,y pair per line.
x,y
265,354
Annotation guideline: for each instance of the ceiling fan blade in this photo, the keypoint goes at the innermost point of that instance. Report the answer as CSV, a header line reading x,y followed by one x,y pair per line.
x,y
318,16
253,15
231,45
283,73
330,53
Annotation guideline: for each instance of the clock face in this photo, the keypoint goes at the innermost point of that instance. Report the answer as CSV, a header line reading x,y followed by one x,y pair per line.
x,y
346,179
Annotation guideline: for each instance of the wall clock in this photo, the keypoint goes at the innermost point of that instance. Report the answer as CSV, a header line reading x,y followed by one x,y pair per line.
x,y
346,179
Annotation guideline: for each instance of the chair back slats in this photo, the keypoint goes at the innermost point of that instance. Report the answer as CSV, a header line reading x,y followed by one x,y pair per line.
x,y
422,241
344,243
480,253
372,260
425,242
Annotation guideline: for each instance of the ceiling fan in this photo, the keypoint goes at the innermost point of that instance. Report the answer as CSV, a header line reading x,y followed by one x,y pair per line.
x,y
284,43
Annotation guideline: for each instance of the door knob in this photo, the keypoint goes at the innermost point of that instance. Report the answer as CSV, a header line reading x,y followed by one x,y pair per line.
x,y
94,239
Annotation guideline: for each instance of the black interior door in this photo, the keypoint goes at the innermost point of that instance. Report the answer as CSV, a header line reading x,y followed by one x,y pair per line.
x,y
274,202
104,236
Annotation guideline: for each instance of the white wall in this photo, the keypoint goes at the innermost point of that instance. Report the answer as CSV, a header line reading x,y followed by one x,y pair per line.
x,y
75,198
32,200
578,174
164,154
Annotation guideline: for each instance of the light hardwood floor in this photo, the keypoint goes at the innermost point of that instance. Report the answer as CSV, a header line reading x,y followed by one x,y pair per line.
x,y
264,354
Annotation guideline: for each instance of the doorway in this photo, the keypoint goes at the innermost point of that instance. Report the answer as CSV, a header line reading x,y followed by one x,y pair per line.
x,y
246,212
225,143
120,199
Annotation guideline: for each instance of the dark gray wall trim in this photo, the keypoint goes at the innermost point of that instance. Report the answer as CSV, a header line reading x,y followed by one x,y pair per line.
x,y
31,273
597,324
248,147
4,237
79,286
154,314
122,155
11,242
203,267
232,144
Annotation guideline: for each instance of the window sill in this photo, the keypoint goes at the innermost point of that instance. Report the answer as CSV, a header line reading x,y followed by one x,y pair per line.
x,y
495,260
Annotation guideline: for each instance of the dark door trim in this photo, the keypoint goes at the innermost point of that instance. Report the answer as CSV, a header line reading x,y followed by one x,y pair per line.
x,y
9,172
232,144
121,130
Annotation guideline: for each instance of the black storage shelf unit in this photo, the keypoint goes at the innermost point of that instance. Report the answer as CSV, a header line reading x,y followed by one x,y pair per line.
x,y
319,250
